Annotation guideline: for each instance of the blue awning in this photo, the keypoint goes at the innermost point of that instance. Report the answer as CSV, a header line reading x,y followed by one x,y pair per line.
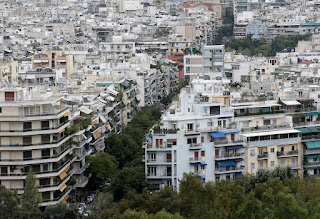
x,y
227,163
230,131
203,164
157,181
235,147
217,135
226,117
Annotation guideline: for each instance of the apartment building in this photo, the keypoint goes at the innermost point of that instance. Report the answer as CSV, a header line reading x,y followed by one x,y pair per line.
x,y
213,60
192,66
8,68
33,137
197,135
268,149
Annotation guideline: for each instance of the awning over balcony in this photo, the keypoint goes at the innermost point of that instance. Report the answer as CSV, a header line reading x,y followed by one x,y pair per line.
x,y
63,187
314,129
203,164
313,144
217,135
311,114
227,163
230,131
313,156
235,147
63,175
225,117
304,130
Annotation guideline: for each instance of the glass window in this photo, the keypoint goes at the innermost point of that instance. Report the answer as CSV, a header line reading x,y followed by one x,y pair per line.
x,y
272,163
282,163
252,166
271,150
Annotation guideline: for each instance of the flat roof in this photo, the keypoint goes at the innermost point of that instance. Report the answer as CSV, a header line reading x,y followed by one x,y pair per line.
x,y
275,132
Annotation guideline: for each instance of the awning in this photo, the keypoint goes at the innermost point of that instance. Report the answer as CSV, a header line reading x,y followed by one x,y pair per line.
x,y
235,147
313,144
62,130
314,129
63,187
225,117
66,170
85,110
217,135
103,119
63,175
291,103
311,114
304,130
171,140
67,113
96,135
203,164
125,83
124,101
230,131
226,163
313,156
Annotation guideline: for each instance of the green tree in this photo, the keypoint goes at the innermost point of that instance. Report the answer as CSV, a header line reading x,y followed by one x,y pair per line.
x,y
59,211
9,204
102,165
31,197
129,178
143,215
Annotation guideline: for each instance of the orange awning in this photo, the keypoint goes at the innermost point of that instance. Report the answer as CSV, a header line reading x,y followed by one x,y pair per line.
x,y
63,187
63,175
66,170
67,113
62,130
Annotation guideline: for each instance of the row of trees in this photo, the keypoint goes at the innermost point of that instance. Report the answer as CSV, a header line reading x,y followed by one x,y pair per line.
x,y
255,47
268,194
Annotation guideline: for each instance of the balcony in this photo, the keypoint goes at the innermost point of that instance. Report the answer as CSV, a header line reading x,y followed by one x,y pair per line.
x,y
313,164
226,142
195,146
301,110
82,169
27,132
265,127
46,202
52,114
161,175
81,183
230,156
263,156
165,131
293,153
196,159
229,170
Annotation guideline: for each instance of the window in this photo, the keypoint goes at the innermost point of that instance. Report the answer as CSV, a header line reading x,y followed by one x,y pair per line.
x,y
274,121
44,125
282,163
27,155
27,140
190,126
9,96
192,141
266,122
202,139
203,153
272,163
282,149
271,150
215,110
152,171
187,60
245,124
187,69
45,153
45,167
27,126
293,162
252,152
203,167
261,165
209,124
45,139
0,109
153,157
252,166
292,147
219,123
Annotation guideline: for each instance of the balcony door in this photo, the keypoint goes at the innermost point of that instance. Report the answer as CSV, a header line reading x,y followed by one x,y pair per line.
x,y
27,126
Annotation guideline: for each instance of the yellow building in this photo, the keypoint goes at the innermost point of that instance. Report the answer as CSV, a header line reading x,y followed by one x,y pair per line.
x,y
268,149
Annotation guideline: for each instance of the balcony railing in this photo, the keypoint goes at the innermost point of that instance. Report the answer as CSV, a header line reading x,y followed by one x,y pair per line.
x,y
195,146
295,124
46,113
31,129
265,155
249,129
300,110
289,153
40,143
220,142
313,163
221,170
231,155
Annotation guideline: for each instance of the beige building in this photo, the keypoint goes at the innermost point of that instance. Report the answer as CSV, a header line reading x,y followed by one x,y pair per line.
x,y
33,137
268,149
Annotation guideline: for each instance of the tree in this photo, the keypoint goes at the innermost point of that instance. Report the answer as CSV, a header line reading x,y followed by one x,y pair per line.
x,y
143,215
31,197
129,178
9,204
102,165
58,211
103,201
